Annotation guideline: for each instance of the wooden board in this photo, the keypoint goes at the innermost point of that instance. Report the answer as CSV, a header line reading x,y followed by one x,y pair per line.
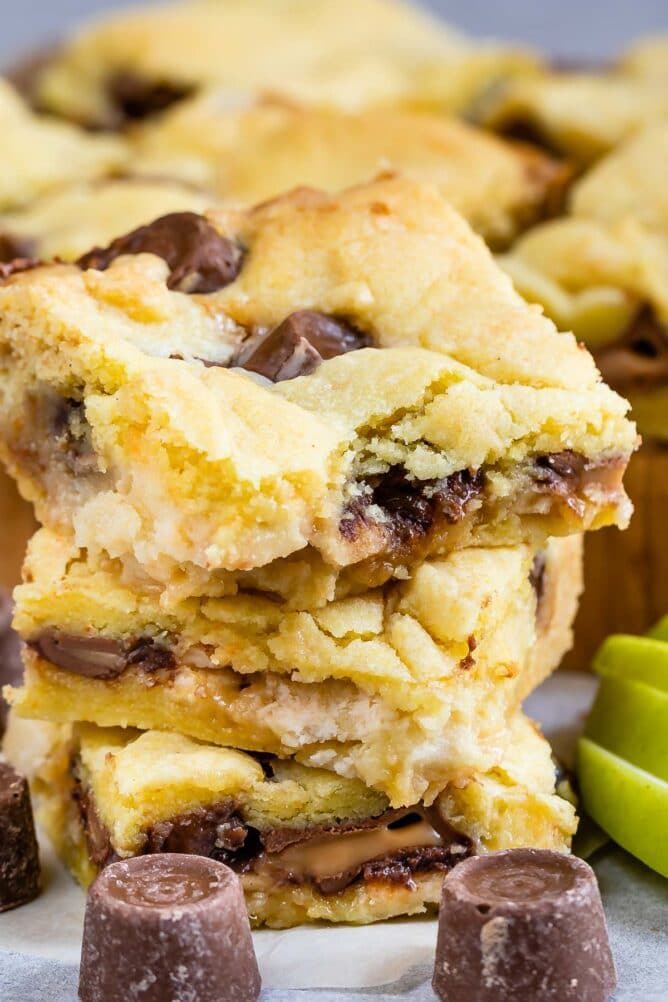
x,y
626,573
17,524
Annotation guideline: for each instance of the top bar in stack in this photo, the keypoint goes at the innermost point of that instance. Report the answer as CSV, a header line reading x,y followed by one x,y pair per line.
x,y
207,394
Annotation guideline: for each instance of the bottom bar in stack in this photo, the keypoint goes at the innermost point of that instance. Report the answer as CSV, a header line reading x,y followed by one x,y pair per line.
x,y
308,844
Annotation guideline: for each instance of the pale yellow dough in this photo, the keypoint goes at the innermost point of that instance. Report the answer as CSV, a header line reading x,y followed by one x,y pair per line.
x,y
255,152
68,222
40,155
390,52
606,263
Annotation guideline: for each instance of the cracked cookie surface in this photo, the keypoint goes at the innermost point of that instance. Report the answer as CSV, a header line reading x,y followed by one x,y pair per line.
x,y
256,152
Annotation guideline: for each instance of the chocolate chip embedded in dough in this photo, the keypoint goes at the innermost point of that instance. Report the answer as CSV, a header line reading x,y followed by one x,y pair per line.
x,y
560,472
16,266
13,246
134,97
168,926
100,657
91,657
299,344
19,856
410,507
522,924
200,260
637,360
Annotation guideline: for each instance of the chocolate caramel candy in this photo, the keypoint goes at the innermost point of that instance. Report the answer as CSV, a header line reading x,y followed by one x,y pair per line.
x,y
167,928
522,924
19,856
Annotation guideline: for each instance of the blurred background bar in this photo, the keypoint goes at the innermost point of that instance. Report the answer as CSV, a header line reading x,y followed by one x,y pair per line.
x,y
577,28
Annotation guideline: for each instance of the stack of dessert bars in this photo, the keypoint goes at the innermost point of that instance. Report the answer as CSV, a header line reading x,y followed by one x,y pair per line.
x,y
312,480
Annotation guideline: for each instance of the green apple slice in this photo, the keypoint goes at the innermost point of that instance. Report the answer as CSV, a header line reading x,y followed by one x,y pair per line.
x,y
628,803
630,719
660,631
639,659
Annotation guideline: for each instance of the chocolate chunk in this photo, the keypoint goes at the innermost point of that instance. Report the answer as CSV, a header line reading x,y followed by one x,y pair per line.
x,y
167,927
16,266
524,130
200,259
72,437
560,472
100,657
150,656
91,657
537,576
638,359
299,344
11,666
522,924
19,856
468,661
215,832
12,247
411,506
96,833
134,97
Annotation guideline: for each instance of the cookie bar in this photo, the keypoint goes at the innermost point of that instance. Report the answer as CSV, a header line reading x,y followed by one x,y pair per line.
x,y
253,153
438,661
135,64
602,273
69,221
40,155
579,115
137,389
307,844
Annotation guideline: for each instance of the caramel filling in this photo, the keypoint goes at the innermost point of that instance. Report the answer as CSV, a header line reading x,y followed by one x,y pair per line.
x,y
393,847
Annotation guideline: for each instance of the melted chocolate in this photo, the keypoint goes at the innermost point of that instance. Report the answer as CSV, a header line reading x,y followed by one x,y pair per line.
x,y
219,833
200,259
410,507
135,98
98,839
12,247
216,832
100,657
524,130
16,266
72,437
299,344
560,472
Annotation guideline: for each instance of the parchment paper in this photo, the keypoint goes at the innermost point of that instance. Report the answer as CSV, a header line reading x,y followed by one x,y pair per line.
x,y
40,943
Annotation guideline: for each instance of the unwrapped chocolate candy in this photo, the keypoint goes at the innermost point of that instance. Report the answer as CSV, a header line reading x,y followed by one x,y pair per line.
x,y
167,927
19,855
522,924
